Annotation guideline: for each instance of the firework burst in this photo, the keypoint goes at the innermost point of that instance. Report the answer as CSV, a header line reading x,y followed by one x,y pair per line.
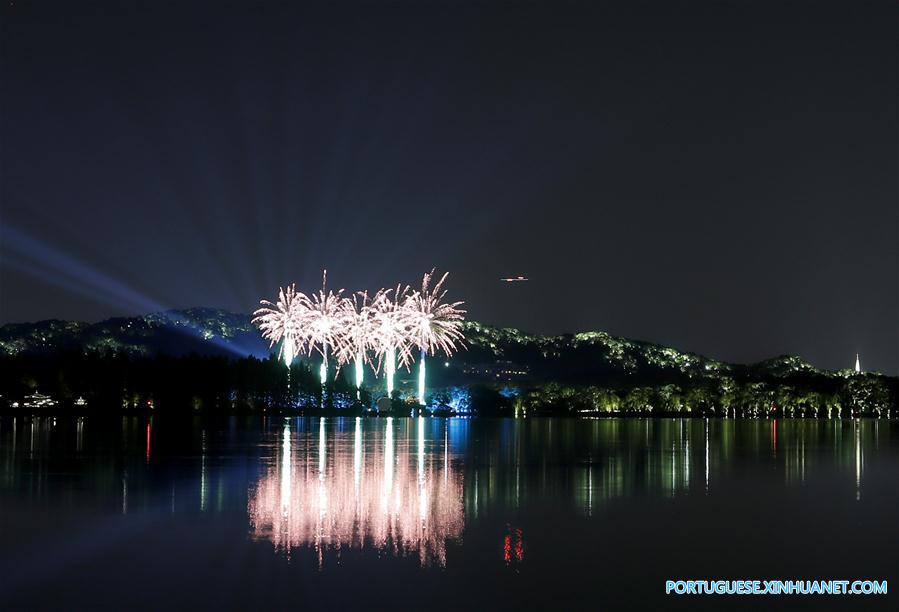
x,y
433,324
380,330
391,334
324,317
358,337
281,321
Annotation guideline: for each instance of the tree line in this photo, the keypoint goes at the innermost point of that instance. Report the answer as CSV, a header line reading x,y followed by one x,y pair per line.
x,y
112,382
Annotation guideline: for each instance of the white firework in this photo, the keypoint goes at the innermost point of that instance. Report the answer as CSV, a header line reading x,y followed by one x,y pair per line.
x,y
358,338
381,329
391,332
324,317
281,321
433,324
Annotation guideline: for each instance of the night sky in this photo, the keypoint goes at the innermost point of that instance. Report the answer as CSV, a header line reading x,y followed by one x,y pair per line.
x,y
716,176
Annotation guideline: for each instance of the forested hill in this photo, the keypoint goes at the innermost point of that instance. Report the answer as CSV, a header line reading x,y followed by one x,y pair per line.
x,y
583,357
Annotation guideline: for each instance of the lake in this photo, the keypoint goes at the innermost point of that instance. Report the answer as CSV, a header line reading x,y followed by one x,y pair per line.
x,y
451,514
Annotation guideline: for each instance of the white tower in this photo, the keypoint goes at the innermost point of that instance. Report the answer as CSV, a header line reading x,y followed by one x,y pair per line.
x,y
858,365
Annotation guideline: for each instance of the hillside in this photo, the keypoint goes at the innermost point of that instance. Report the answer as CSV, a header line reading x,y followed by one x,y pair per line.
x,y
585,372
210,331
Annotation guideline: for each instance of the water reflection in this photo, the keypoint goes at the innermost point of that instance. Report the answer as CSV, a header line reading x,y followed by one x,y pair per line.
x,y
204,473
603,460
416,465
494,505
395,497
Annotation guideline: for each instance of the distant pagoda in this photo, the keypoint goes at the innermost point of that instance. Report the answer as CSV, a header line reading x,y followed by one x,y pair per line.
x,y
858,365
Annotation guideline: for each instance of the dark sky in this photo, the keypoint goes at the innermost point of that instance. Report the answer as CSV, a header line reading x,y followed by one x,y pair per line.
x,y
717,176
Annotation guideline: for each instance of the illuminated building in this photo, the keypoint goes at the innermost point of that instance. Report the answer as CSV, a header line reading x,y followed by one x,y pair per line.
x,y
38,400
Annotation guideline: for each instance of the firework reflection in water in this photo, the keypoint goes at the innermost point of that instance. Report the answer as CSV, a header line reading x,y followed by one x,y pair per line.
x,y
403,498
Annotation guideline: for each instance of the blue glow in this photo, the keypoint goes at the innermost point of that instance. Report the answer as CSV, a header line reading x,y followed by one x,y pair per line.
x,y
341,401
457,433
508,391
56,267
51,265
460,400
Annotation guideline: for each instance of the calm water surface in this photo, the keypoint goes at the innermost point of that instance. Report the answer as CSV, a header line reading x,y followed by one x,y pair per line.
x,y
310,513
